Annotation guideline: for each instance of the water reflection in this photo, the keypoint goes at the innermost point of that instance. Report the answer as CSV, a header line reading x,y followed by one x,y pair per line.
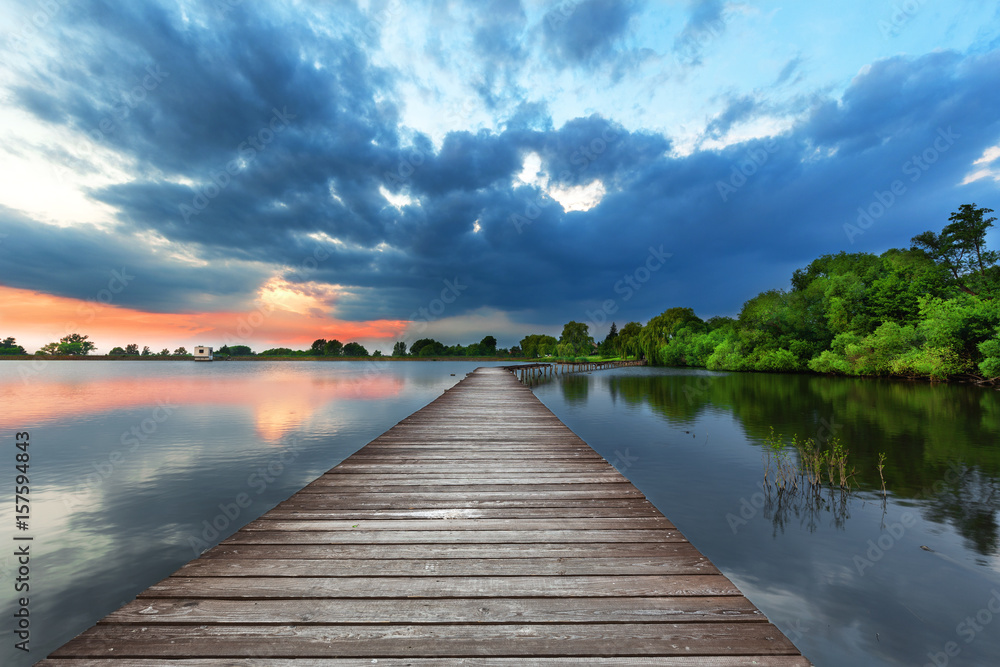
x,y
852,578
927,432
136,466
281,397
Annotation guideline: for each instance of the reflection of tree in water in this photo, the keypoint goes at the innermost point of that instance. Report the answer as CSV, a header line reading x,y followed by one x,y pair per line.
x,y
922,428
575,388
971,504
808,506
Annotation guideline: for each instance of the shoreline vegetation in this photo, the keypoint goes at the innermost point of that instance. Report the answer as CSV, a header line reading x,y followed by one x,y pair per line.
x,y
929,312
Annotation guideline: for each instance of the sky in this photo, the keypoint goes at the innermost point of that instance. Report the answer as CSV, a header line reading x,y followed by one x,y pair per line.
x,y
269,173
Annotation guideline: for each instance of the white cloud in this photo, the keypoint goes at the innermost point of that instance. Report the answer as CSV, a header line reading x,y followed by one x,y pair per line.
x,y
986,167
580,197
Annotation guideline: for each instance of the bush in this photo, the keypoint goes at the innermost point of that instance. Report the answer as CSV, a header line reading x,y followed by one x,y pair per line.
x,y
990,365
830,362
778,361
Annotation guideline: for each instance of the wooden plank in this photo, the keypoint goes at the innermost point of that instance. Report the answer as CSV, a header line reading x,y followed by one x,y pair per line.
x,y
359,525
408,494
691,563
319,511
451,536
452,551
714,609
660,661
447,640
374,501
409,479
440,587
478,530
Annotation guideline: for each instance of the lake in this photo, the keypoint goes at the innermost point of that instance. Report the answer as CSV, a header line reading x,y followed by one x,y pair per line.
x,y
135,467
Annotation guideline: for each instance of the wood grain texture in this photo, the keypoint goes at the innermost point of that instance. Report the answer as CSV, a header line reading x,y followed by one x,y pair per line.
x,y
477,531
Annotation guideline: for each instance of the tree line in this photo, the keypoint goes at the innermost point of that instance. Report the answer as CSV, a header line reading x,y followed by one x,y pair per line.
x,y
927,311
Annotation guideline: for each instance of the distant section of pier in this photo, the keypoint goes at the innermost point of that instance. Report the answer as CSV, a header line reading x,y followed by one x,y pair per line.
x,y
479,530
528,373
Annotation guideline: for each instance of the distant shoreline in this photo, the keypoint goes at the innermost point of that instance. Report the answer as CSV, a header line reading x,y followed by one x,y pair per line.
x,y
107,357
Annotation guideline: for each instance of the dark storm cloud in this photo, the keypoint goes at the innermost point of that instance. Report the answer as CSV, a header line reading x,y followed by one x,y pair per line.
x,y
738,109
705,24
584,33
736,220
80,262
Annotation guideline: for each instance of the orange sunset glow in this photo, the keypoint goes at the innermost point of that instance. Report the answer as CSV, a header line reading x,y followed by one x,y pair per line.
x,y
287,317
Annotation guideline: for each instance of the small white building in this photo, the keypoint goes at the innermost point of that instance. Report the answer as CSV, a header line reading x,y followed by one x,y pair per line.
x,y
202,353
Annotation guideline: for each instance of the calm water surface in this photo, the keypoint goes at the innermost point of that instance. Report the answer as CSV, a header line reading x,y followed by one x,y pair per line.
x,y
845,578
137,466
132,463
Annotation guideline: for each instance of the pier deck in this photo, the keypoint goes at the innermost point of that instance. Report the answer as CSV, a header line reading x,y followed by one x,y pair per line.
x,y
479,530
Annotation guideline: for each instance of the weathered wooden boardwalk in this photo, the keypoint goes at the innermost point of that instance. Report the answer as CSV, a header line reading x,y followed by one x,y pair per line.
x,y
479,530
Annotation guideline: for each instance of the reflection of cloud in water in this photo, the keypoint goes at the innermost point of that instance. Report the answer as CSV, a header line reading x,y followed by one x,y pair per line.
x,y
280,399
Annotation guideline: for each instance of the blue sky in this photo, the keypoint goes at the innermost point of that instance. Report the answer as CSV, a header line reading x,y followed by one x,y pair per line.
x,y
389,170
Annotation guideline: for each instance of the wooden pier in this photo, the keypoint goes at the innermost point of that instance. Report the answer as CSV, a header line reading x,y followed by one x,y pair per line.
x,y
479,530
531,373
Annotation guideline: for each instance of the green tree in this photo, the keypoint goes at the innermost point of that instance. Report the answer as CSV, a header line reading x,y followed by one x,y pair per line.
x,y
628,340
538,345
427,347
318,348
117,352
961,249
132,348
334,348
488,346
399,349
146,352
48,348
608,346
670,332
355,350
9,346
164,352
577,336
75,344
180,352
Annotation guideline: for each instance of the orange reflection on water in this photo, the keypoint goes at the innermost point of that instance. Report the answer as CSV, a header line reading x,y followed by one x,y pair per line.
x,y
280,401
